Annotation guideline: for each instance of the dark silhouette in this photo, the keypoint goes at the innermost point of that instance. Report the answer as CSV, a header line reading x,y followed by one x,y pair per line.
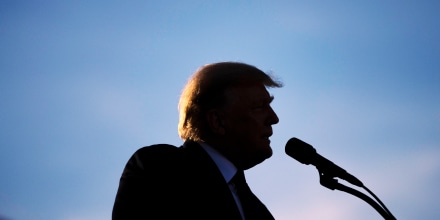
x,y
225,121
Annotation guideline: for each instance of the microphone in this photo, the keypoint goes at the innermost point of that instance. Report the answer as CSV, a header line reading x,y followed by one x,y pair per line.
x,y
306,154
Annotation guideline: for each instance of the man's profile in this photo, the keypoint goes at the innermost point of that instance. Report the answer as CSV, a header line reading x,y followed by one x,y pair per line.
x,y
225,121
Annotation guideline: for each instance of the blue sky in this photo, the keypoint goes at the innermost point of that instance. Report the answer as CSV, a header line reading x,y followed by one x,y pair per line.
x,y
84,84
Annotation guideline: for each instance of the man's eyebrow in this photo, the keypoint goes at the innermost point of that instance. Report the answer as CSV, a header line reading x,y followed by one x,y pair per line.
x,y
264,100
271,98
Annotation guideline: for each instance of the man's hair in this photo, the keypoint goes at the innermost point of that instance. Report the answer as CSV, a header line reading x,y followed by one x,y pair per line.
x,y
205,90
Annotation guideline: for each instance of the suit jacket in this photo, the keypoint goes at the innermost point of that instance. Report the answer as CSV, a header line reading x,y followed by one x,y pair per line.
x,y
168,182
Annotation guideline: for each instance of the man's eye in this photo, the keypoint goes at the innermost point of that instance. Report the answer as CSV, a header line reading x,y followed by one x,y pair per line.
x,y
261,106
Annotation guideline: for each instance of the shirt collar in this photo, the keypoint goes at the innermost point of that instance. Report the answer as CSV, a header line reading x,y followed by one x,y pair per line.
x,y
225,166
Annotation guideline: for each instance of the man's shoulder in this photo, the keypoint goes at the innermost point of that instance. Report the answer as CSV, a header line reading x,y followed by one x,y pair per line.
x,y
157,149
166,156
157,152
168,150
153,159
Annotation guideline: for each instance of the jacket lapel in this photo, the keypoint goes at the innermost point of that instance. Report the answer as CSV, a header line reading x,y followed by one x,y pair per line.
x,y
210,190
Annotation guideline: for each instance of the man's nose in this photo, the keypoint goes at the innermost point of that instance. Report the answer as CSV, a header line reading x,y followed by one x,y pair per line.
x,y
273,117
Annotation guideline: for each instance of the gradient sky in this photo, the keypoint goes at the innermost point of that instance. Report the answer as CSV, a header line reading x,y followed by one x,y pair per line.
x,y
84,84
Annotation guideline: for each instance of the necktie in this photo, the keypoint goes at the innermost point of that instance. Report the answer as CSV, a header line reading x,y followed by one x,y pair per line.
x,y
253,208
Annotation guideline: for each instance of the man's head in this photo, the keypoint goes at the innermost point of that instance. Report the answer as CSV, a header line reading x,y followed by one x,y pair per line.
x,y
227,106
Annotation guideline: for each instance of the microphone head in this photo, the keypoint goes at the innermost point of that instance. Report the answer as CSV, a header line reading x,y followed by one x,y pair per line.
x,y
300,151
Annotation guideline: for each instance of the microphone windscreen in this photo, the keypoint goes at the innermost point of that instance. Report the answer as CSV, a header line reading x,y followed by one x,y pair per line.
x,y
300,151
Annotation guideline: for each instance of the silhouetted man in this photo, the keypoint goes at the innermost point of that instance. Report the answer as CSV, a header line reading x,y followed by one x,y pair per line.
x,y
225,120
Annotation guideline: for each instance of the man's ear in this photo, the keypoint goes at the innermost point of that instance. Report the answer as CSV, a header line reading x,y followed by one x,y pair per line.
x,y
215,119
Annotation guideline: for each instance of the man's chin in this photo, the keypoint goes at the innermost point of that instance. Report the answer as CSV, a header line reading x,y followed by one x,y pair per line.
x,y
258,158
266,152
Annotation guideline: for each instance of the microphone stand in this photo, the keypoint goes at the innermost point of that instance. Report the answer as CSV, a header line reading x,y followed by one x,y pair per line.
x,y
331,183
